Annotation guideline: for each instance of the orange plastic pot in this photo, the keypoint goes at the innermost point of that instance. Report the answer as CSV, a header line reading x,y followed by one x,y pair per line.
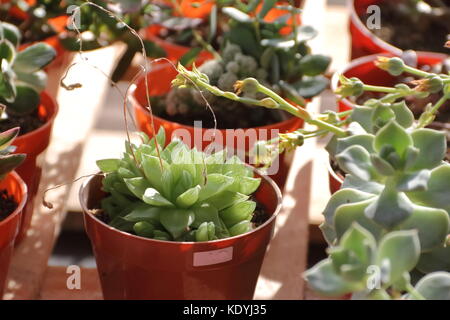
x,y
33,144
132,267
9,227
159,80
196,8
364,42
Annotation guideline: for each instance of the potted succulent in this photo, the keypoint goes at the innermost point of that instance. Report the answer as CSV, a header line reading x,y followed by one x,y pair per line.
x,y
191,29
176,223
420,25
388,227
251,47
366,69
100,26
26,105
39,20
13,196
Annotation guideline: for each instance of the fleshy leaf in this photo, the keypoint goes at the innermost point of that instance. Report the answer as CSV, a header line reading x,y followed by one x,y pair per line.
x,y
355,160
402,250
323,279
390,209
432,147
153,197
393,135
435,286
176,221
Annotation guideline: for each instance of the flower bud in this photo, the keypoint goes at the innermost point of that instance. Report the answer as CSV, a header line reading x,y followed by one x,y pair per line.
x,y
247,86
269,103
430,84
395,66
350,87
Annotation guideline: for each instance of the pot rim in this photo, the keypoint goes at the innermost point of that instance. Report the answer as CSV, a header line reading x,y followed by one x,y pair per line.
x,y
333,173
360,25
21,204
136,104
126,234
370,58
48,121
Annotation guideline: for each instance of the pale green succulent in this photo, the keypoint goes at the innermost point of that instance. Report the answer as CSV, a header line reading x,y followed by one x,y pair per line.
x,y
186,195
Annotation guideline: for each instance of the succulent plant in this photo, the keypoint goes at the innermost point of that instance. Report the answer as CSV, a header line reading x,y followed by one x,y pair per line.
x,y
22,77
253,47
8,161
372,269
183,195
100,27
221,73
392,212
34,18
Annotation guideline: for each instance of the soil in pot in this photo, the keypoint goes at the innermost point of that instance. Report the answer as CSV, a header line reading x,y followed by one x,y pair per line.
x,y
27,123
7,204
409,28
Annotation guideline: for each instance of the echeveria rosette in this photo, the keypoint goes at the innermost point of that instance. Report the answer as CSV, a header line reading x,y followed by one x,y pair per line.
x,y
185,195
367,269
396,180
21,77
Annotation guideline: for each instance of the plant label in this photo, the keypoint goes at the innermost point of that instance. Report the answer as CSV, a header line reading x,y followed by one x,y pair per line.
x,y
207,258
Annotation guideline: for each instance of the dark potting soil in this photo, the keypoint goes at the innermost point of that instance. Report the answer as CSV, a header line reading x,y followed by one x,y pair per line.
x,y
27,123
7,204
260,215
410,30
336,168
236,116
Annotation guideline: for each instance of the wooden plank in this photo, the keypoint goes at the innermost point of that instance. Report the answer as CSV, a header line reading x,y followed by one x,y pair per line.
x,y
78,111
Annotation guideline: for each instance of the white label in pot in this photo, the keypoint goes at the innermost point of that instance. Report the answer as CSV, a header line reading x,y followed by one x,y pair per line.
x,y
207,258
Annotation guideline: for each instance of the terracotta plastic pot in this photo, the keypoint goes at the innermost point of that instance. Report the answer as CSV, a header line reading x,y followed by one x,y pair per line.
x,y
365,69
33,144
159,79
9,227
132,267
364,42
